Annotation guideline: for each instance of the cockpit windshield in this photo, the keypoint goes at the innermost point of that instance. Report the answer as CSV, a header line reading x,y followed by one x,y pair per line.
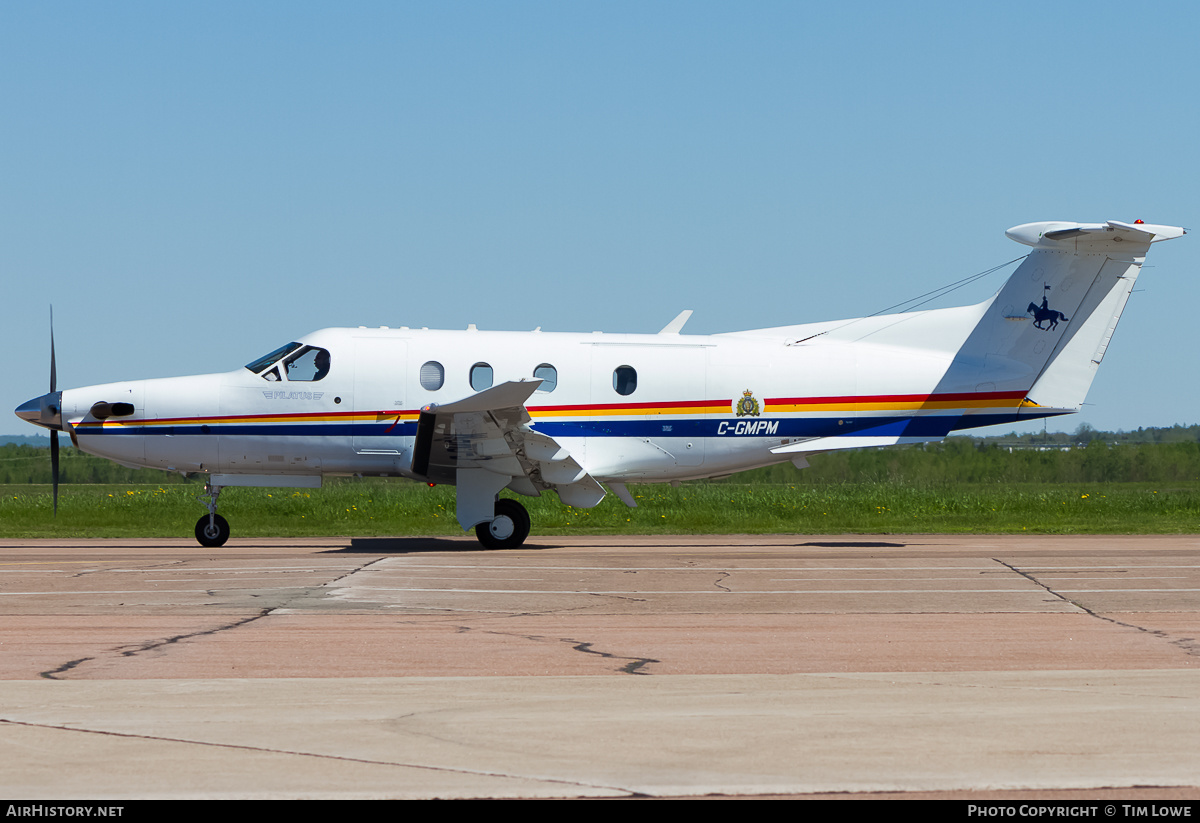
x,y
261,363
305,364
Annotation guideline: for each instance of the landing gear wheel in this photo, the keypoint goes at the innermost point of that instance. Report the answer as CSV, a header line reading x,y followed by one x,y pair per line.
x,y
212,534
508,530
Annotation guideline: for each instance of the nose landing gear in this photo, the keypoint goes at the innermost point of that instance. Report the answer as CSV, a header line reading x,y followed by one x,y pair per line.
x,y
212,530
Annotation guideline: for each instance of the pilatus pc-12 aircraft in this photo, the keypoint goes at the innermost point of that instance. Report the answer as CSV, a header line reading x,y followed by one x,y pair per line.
x,y
574,413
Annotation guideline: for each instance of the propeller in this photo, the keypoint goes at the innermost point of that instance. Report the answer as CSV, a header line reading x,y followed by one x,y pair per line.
x,y
54,432
47,411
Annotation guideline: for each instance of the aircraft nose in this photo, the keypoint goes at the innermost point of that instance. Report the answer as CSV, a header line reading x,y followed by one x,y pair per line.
x,y
30,410
42,411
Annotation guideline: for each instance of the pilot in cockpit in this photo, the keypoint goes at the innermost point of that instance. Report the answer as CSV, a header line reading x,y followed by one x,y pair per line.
x,y
321,361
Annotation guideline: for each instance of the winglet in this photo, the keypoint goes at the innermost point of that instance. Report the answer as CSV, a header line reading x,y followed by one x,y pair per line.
x,y
676,325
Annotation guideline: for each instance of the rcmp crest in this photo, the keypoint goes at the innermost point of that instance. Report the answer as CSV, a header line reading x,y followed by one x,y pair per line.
x,y
747,406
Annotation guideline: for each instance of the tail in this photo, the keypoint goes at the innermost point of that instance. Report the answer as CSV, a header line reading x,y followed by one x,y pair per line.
x,y
1046,331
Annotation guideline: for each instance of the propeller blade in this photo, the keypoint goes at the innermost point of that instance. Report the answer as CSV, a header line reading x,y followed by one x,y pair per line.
x,y
54,467
53,368
62,417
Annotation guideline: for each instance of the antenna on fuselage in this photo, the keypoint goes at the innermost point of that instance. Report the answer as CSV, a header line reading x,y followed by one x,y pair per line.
x,y
675,325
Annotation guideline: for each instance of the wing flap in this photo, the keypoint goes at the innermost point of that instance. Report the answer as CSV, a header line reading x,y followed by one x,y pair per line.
x,y
484,443
581,495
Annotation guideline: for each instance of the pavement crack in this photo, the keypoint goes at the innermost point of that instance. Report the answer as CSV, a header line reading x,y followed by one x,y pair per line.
x,y
1040,584
65,667
627,598
316,755
152,645
133,650
352,572
1187,645
170,564
632,667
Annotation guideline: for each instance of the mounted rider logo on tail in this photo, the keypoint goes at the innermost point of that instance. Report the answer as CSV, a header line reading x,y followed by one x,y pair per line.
x,y
1045,314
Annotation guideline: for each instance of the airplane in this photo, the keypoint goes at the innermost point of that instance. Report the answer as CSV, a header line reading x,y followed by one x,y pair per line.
x,y
534,412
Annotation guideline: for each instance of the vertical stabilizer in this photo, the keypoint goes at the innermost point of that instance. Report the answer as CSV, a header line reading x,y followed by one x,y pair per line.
x,y
1046,330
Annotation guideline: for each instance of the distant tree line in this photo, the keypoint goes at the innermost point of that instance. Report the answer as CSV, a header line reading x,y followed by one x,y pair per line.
x,y
1085,434
20,464
962,460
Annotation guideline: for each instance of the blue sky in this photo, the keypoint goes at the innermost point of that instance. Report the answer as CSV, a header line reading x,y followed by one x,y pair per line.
x,y
193,185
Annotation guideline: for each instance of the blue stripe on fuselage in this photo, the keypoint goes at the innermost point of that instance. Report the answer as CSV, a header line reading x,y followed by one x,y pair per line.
x,y
929,426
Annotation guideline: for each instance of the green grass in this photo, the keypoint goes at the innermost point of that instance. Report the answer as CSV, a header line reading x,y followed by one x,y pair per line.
x,y
377,508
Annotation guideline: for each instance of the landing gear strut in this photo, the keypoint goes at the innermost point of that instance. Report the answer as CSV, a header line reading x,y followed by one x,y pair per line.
x,y
508,530
212,530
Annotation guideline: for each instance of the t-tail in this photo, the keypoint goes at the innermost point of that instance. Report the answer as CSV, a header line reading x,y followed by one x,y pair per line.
x,y
1047,329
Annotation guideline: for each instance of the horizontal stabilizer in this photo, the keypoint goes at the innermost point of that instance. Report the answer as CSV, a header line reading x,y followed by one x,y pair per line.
x,y
1061,235
825,444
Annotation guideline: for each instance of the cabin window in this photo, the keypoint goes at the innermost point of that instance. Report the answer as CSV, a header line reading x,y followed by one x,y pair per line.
x,y
549,377
481,376
432,375
307,365
624,380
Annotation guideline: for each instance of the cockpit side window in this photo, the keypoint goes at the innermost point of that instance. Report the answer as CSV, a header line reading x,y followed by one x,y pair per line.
x,y
307,365
261,363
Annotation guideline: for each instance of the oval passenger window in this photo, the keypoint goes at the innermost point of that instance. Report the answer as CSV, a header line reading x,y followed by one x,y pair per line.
x,y
432,375
481,376
549,377
624,380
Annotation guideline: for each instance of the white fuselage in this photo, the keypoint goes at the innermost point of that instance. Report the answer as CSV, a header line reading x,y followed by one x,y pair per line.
x,y
699,405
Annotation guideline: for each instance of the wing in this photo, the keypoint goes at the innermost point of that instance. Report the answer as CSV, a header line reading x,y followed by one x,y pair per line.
x,y
484,443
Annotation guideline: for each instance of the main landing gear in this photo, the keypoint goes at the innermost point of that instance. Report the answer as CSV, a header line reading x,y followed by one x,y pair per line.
x,y
508,530
212,530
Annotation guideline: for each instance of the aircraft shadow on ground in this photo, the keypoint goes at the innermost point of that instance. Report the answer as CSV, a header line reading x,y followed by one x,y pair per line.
x,y
410,545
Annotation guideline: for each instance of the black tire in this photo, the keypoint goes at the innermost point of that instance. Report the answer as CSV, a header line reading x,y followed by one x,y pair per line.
x,y
214,534
508,530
